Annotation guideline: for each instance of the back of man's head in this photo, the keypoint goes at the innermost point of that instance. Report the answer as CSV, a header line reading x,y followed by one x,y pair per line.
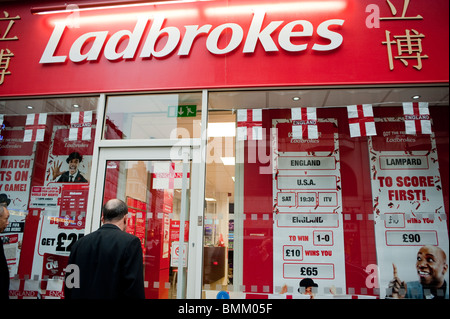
x,y
114,210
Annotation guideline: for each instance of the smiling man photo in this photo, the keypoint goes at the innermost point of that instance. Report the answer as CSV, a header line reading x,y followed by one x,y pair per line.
x,y
431,266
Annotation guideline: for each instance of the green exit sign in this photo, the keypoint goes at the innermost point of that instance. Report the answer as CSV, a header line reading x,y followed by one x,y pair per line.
x,y
182,111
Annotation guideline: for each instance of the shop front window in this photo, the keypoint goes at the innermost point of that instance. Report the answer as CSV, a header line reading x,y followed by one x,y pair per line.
x,y
153,116
153,193
326,193
46,149
330,193
219,228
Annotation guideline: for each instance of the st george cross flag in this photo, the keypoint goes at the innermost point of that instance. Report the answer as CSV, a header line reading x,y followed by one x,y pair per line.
x,y
35,127
361,122
304,123
249,124
168,175
417,118
80,126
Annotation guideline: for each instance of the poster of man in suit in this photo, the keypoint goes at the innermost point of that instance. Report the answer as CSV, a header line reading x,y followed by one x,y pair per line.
x,y
68,161
73,175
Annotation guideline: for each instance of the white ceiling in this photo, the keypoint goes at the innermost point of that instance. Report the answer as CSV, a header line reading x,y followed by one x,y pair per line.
x,y
435,95
227,100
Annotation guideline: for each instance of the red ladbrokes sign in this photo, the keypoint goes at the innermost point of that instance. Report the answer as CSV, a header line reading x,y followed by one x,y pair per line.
x,y
216,44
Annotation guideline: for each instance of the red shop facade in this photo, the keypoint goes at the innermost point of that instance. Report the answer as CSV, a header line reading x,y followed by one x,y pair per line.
x,y
296,141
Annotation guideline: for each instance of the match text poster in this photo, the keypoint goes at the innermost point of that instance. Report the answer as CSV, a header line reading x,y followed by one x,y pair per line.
x,y
408,205
308,236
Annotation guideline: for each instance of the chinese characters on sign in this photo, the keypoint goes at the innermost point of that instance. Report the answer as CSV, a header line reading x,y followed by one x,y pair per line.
x,y
409,46
402,47
6,23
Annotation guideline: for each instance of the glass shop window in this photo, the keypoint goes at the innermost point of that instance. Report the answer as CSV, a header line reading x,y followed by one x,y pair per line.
x,y
46,148
327,193
153,116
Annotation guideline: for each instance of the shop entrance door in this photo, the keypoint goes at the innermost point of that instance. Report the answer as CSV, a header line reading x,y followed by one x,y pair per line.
x,y
156,184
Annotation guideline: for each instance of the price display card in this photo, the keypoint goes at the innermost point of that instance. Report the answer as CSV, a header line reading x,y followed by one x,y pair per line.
x,y
308,231
59,221
408,206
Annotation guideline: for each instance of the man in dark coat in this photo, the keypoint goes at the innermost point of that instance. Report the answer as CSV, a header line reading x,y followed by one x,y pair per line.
x,y
4,272
110,260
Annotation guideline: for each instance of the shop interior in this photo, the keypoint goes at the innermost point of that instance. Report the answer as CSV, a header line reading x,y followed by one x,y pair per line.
x,y
223,193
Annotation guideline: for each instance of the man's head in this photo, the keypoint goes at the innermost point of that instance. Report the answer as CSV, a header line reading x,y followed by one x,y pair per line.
x,y
307,286
4,217
4,200
74,160
431,266
115,212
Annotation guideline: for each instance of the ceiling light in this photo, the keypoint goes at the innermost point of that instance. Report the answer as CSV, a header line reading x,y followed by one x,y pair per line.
x,y
416,97
296,98
221,129
76,106
228,160
29,107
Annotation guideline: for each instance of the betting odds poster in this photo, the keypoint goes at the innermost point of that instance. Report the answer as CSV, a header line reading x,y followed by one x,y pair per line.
x,y
59,207
409,215
16,166
308,239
